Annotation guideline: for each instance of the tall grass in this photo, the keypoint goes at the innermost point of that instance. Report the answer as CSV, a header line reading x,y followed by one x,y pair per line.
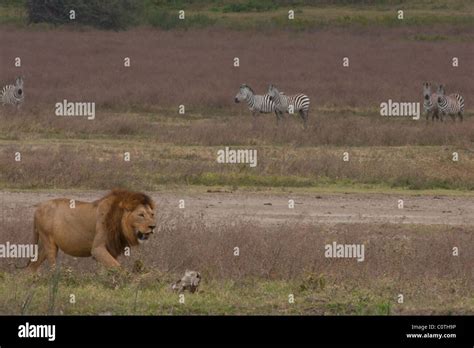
x,y
274,261
27,302
103,167
53,289
292,250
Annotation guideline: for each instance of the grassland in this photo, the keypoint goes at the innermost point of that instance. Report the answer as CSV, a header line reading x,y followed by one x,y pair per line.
x,y
140,115
415,261
174,150
98,295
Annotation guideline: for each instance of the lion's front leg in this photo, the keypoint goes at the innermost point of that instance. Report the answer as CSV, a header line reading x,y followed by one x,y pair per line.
x,y
99,250
102,255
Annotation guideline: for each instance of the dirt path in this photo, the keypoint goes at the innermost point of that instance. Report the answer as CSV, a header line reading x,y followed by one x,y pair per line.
x,y
268,208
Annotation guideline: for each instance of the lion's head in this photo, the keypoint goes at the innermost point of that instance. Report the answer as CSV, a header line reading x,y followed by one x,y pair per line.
x,y
130,220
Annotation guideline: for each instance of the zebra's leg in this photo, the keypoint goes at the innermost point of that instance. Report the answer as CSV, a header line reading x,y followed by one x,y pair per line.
x,y
278,114
19,109
453,117
304,117
300,112
254,119
460,116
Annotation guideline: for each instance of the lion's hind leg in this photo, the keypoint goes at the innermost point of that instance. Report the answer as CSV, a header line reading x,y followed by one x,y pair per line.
x,y
34,265
51,252
47,249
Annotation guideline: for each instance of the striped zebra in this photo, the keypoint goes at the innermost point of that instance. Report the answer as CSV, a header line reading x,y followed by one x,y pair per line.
x,y
430,102
290,103
451,105
257,103
13,94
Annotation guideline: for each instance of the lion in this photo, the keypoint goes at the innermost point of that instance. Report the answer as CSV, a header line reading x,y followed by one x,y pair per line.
x,y
101,229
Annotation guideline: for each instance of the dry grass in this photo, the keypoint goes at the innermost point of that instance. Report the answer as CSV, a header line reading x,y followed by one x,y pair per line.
x,y
402,252
338,127
415,261
99,164
139,106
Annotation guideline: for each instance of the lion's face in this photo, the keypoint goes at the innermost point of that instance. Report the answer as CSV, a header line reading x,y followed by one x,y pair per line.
x,y
139,224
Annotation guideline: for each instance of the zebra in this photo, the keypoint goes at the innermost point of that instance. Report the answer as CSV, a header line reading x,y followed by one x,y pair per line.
x,y
430,102
13,94
451,105
290,104
257,103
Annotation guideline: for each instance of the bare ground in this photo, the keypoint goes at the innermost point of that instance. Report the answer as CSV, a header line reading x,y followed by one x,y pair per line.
x,y
272,208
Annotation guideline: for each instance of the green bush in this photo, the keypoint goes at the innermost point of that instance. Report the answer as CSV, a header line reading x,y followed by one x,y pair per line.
x,y
105,14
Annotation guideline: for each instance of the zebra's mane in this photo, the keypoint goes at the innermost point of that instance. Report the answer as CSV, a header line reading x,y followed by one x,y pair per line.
x,y
248,87
276,89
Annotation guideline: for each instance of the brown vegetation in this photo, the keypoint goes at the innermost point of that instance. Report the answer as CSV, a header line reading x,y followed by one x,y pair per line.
x,y
101,166
289,251
195,68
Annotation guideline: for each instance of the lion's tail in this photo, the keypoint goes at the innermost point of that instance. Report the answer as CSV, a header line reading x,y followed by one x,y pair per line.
x,y
35,241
